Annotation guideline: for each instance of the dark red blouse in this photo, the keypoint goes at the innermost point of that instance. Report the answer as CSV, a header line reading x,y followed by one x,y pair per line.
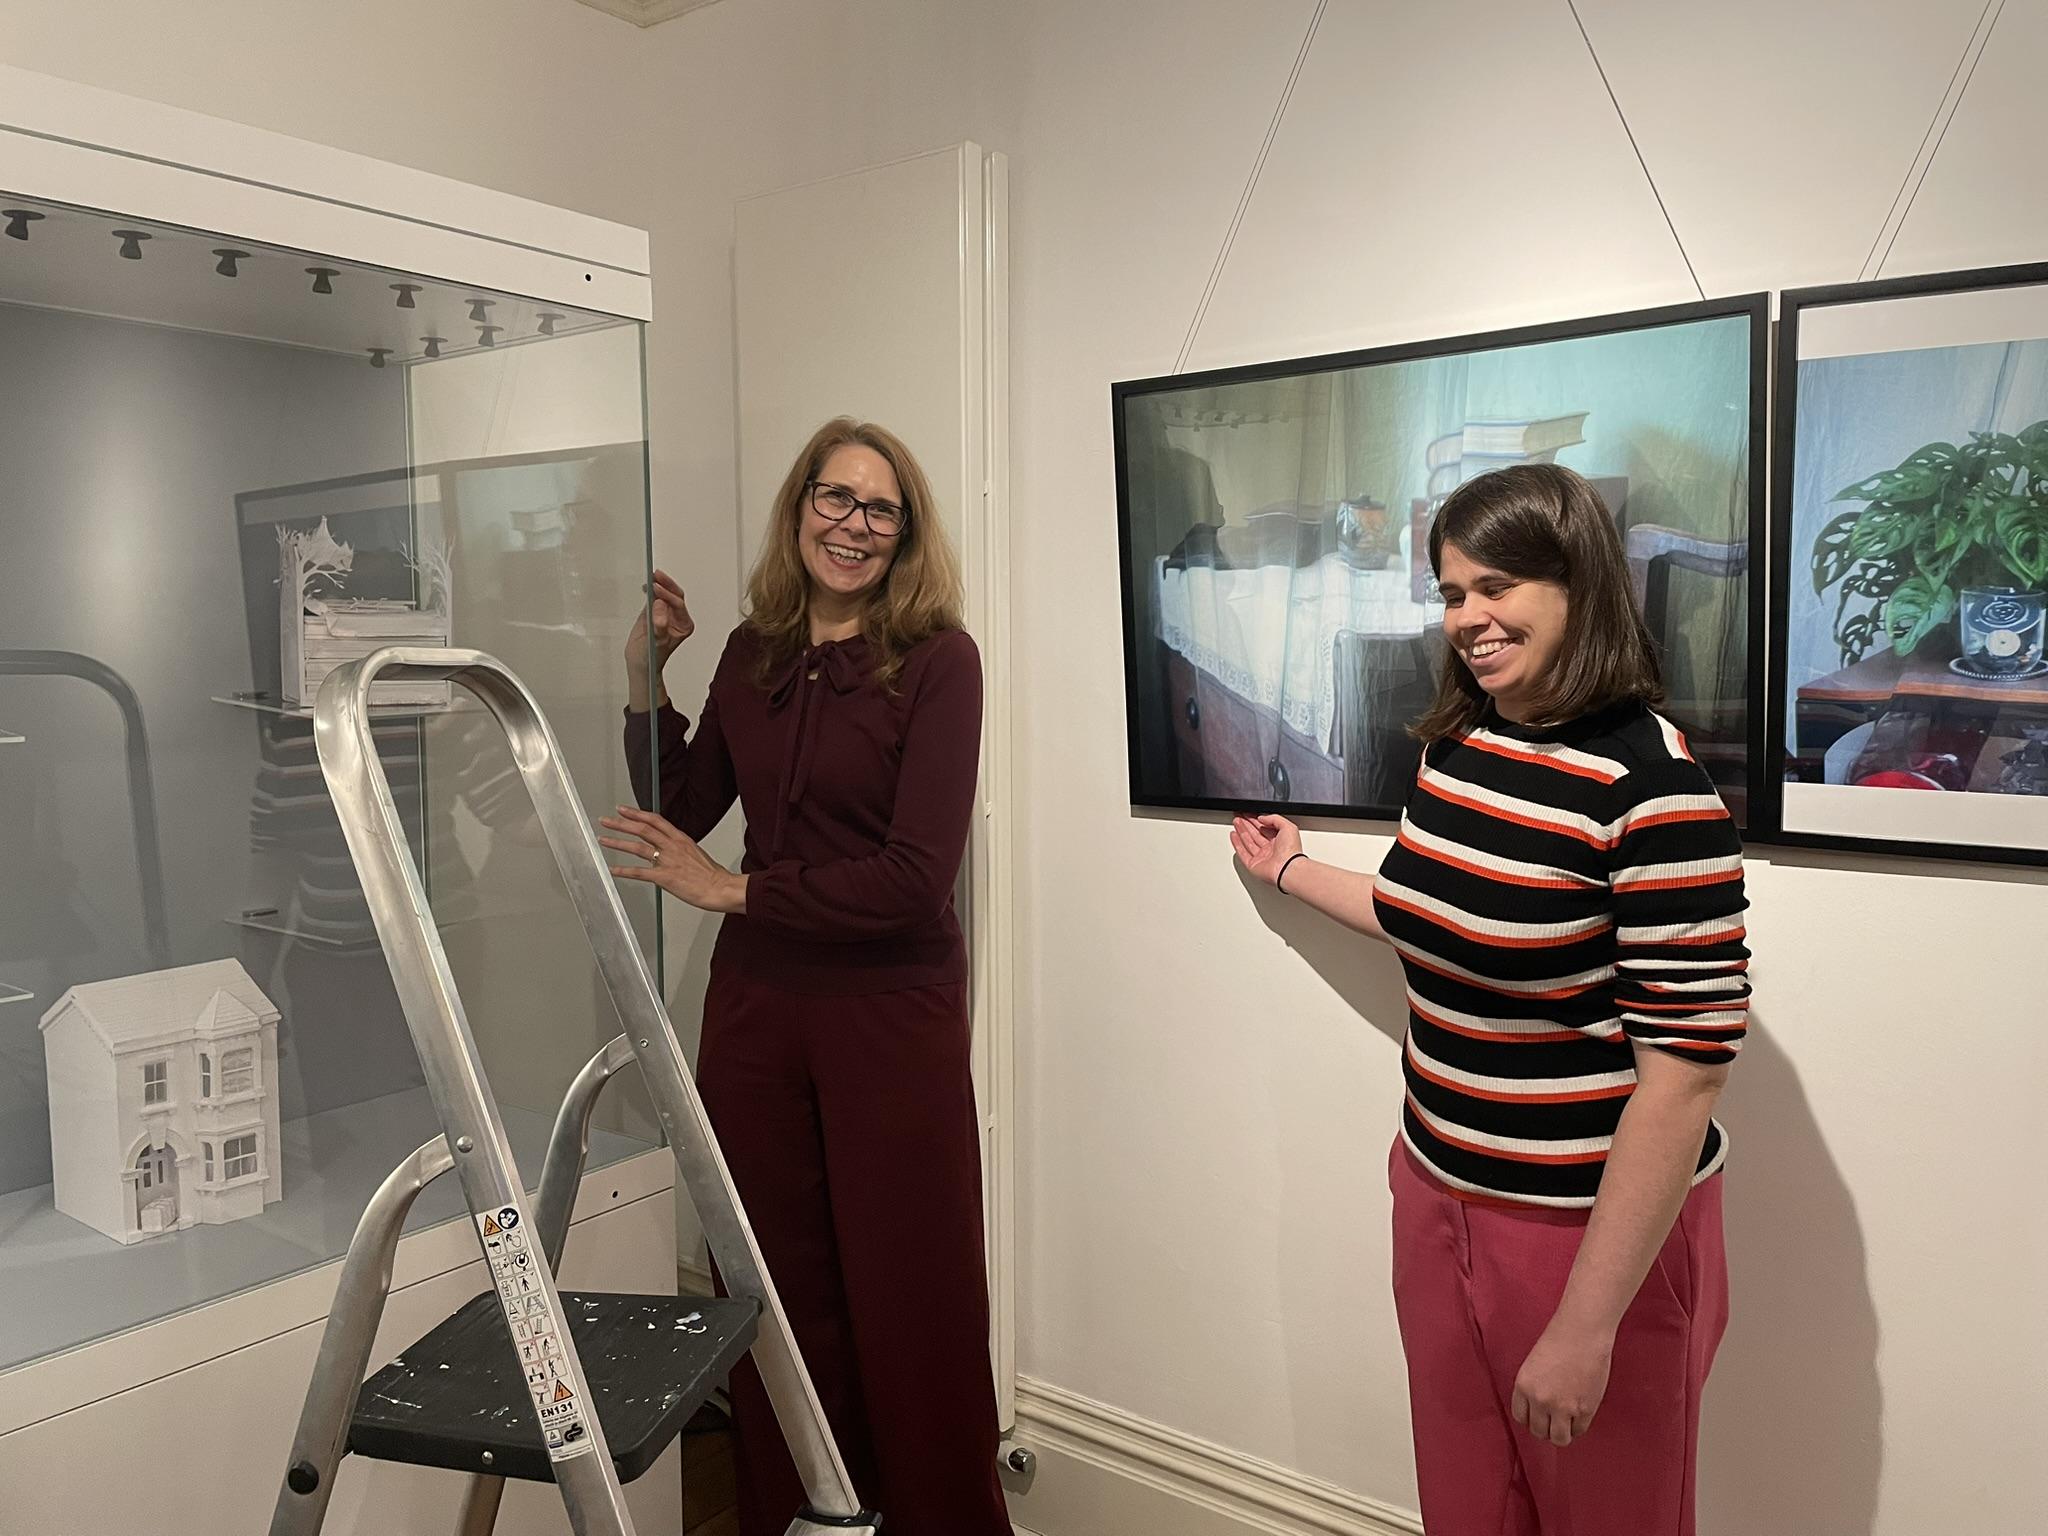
x,y
857,801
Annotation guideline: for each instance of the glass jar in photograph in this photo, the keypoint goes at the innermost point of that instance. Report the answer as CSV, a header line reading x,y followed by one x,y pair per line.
x,y
2002,630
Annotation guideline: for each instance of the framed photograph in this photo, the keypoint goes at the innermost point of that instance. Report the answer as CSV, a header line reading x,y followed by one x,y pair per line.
x,y
1281,625
1909,568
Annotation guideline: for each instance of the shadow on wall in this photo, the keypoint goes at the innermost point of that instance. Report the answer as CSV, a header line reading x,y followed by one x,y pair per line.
x,y
1791,1443
1364,973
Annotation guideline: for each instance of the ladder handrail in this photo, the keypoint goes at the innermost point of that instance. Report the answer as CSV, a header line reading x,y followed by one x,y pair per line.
x,y
396,896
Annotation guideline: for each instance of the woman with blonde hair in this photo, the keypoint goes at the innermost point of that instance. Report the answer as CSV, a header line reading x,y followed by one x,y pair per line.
x,y
1565,895
845,718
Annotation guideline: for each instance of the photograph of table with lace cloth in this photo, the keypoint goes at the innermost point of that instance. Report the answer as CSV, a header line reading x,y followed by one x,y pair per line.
x,y
1282,626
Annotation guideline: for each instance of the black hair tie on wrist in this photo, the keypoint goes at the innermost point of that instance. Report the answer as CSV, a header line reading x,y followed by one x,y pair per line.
x,y
1283,872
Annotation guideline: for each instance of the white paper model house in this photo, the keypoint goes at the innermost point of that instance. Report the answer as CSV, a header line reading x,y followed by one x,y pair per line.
x,y
163,1100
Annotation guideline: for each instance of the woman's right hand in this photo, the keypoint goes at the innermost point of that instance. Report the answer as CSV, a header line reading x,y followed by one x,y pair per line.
x,y
672,626
1264,844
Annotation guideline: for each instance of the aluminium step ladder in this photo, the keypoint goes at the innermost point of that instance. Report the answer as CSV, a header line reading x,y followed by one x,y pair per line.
x,y
524,1381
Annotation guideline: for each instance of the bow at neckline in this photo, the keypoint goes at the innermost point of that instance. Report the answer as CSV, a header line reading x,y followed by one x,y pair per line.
x,y
837,663
833,660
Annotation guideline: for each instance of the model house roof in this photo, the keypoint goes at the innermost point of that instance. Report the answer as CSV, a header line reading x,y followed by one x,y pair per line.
x,y
214,997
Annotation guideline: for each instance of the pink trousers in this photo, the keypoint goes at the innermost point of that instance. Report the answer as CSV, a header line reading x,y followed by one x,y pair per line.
x,y
1475,1285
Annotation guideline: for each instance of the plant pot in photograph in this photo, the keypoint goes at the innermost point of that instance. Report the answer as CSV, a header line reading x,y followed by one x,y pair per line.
x,y
2001,630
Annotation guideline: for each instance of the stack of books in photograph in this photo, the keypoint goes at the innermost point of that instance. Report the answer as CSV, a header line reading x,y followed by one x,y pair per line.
x,y
1471,451
1480,446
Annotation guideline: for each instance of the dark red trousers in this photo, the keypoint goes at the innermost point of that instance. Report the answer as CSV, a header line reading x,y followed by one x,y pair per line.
x,y
850,1128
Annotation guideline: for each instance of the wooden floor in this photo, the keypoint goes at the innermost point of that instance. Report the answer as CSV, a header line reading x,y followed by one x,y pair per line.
x,y
709,1503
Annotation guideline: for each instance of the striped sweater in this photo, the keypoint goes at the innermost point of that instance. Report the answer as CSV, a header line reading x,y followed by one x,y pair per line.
x,y
1558,897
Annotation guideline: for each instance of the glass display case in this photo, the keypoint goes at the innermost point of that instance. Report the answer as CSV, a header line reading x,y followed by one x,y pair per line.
x,y
225,468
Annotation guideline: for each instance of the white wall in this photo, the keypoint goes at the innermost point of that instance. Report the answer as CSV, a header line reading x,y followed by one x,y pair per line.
x,y
1205,1113
1208,1082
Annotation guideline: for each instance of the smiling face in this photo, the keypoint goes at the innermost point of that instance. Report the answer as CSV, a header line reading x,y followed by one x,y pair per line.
x,y
1507,630
845,560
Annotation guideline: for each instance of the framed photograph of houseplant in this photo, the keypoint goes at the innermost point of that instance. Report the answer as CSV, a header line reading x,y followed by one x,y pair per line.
x,y
1281,623
1909,568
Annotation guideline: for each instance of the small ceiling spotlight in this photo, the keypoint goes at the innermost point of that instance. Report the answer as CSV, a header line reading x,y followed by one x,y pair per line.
x,y
131,242
377,356
487,335
480,310
323,278
405,291
549,320
228,257
18,221
433,344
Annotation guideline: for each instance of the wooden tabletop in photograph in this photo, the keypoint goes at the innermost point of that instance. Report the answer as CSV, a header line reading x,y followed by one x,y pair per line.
x,y
1889,675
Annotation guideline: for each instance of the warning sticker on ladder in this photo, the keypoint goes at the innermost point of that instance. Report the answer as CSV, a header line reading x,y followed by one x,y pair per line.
x,y
537,1335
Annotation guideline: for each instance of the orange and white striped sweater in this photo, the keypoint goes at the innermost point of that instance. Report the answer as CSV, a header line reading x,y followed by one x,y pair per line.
x,y
1558,897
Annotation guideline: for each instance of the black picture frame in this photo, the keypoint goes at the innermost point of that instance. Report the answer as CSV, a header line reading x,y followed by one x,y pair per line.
x,y
1793,304
1753,307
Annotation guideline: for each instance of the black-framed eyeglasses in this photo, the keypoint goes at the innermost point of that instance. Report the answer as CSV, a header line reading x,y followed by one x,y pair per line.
x,y
835,503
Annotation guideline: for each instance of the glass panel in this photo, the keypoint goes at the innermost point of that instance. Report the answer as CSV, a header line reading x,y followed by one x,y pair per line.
x,y
1283,618
230,467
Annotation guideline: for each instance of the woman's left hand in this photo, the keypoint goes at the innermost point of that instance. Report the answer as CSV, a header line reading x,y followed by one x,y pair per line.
x,y
674,862
1559,1387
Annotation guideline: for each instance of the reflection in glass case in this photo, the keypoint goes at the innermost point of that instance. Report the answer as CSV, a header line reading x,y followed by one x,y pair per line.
x,y
230,467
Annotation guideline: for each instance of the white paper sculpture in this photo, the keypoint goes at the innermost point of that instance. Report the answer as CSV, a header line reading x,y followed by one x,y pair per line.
x,y
323,627
163,1100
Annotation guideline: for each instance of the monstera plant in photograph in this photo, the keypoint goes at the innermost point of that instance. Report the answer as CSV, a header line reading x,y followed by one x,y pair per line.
x,y
1953,531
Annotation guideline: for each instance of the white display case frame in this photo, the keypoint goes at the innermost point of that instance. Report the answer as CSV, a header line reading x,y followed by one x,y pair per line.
x,y
68,143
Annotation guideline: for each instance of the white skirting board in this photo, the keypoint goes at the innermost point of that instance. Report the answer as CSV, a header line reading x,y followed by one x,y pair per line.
x,y
1104,1472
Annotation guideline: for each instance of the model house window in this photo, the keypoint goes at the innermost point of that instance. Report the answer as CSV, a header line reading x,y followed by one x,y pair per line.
x,y
148,1173
239,1151
156,1082
205,1079
238,1072
206,1156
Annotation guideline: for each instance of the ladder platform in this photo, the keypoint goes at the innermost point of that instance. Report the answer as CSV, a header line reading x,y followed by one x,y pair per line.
x,y
651,1361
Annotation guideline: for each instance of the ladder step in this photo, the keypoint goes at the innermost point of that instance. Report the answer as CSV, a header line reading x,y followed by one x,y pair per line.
x,y
462,1390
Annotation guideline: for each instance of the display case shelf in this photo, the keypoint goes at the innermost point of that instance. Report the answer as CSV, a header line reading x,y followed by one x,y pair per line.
x,y
12,994
265,704
270,922
284,927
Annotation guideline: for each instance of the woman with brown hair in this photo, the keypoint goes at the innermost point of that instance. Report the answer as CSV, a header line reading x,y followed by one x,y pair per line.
x,y
845,717
1565,895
